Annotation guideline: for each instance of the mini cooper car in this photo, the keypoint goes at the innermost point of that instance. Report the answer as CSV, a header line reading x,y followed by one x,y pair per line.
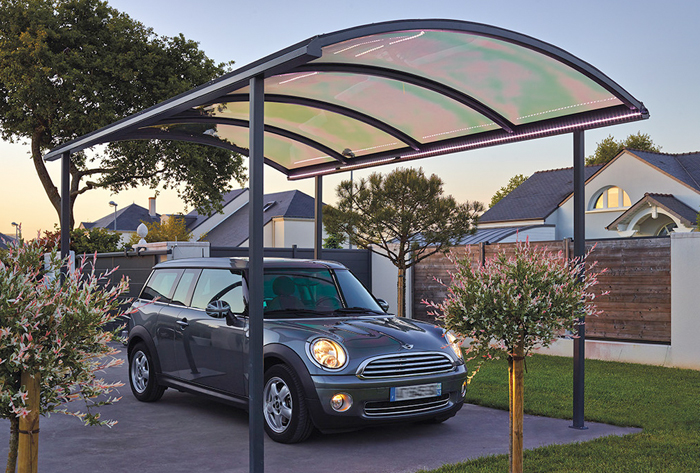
x,y
333,359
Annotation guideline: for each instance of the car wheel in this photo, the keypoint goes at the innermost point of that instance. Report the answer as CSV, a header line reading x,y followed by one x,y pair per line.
x,y
142,375
287,418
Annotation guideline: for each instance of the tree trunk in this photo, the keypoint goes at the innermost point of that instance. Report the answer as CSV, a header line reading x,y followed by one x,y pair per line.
x,y
401,293
28,450
14,442
510,412
516,411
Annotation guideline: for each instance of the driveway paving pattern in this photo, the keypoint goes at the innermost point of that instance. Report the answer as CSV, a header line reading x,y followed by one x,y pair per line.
x,y
186,433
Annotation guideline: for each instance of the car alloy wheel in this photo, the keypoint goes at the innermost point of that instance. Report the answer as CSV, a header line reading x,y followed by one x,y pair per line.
x,y
278,404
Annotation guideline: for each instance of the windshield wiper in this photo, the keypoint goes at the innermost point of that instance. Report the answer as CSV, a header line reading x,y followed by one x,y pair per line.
x,y
356,310
295,312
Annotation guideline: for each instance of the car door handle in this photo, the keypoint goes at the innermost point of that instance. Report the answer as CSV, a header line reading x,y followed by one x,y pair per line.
x,y
183,323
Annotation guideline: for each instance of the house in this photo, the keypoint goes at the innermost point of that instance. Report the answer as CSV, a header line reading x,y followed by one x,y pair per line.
x,y
288,219
638,193
5,240
127,219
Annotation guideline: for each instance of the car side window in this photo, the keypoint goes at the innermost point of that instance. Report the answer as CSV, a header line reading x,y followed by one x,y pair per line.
x,y
185,286
161,285
219,284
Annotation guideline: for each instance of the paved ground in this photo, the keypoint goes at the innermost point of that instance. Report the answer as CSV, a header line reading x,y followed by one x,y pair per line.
x,y
184,433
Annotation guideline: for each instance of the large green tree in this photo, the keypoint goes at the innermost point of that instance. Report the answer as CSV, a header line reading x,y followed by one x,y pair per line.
x,y
403,216
69,67
514,182
607,149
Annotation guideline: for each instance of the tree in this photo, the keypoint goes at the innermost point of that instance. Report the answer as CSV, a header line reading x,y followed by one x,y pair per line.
x,y
82,241
172,228
514,182
511,304
607,149
334,241
69,67
52,343
404,214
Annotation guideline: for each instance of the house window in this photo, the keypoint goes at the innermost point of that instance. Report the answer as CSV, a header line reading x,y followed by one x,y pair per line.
x,y
666,229
611,198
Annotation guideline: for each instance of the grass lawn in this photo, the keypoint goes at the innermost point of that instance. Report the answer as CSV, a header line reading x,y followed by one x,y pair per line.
x,y
665,402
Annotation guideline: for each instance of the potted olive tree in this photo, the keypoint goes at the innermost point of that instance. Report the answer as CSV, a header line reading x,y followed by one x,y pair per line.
x,y
52,344
512,304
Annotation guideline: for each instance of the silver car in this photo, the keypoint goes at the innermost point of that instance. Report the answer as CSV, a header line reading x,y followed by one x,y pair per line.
x,y
334,359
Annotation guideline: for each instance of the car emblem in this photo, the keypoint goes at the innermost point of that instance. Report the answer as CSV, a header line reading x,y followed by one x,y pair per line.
x,y
406,346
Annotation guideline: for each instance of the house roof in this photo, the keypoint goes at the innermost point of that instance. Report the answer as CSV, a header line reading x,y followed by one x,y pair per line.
x,y
5,238
687,215
128,219
195,219
234,230
683,167
494,235
537,197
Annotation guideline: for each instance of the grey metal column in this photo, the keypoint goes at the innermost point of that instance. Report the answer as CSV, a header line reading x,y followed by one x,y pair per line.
x,y
255,275
579,252
65,209
318,218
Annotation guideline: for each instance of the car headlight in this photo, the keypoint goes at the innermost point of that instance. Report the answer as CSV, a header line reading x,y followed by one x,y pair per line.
x,y
454,344
328,354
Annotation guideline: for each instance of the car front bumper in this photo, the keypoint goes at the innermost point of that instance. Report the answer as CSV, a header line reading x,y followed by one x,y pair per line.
x,y
372,404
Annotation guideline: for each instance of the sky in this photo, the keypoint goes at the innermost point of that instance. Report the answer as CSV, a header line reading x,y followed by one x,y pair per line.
x,y
648,47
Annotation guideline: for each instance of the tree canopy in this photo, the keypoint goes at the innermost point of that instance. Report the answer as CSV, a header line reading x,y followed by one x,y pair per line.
x,y
171,229
403,214
69,67
514,182
607,149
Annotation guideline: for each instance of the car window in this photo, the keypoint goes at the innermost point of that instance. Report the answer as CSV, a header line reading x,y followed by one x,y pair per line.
x,y
356,295
161,284
185,286
219,284
292,289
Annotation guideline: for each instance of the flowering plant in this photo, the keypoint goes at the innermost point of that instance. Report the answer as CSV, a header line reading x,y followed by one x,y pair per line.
x,y
53,331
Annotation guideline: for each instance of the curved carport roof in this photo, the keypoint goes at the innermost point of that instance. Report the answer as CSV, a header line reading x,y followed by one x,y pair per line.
x,y
382,93
388,92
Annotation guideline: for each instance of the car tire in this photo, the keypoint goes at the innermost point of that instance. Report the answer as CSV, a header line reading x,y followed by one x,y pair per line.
x,y
287,418
142,375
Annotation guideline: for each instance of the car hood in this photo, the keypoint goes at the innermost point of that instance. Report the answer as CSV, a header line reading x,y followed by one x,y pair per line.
x,y
366,334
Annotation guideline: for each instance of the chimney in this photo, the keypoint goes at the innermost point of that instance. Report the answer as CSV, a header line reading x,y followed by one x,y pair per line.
x,y
152,206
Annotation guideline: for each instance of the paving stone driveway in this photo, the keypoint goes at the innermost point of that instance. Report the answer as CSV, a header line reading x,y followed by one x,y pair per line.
x,y
185,433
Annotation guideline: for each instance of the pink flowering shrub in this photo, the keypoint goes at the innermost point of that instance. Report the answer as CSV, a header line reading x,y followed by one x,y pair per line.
x,y
517,302
55,331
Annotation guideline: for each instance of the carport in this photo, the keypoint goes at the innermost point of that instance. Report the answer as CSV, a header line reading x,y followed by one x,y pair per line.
x,y
378,94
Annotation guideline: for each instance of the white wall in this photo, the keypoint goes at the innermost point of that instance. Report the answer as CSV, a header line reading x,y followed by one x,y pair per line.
x,y
684,351
384,283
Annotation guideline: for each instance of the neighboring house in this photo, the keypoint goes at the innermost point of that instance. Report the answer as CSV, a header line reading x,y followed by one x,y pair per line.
x,y
127,219
288,218
638,193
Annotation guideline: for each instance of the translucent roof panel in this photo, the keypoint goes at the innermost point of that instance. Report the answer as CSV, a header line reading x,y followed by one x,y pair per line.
x,y
388,92
330,129
521,84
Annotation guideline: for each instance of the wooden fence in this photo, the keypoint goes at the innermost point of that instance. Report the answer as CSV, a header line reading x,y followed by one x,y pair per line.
x,y
637,308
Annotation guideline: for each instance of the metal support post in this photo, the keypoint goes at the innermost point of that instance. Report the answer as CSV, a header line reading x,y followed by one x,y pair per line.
x,y
65,211
318,218
579,252
255,276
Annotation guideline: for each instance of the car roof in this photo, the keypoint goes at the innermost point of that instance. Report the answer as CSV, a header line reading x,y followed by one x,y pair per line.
x,y
242,263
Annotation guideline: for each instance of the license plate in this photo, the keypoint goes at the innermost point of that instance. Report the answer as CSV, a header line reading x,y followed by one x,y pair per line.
x,y
403,393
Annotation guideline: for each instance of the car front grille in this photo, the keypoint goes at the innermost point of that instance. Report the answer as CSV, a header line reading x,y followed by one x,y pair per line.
x,y
402,365
412,406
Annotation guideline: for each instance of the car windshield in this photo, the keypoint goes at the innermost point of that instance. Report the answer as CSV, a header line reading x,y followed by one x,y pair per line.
x,y
312,292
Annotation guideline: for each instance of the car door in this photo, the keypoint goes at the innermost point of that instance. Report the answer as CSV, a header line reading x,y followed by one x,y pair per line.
x,y
209,352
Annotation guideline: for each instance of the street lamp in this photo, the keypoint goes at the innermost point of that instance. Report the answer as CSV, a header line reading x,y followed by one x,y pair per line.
x,y
18,230
114,204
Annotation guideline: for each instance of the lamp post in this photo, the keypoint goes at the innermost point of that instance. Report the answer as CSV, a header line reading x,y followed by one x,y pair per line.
x,y
114,204
18,230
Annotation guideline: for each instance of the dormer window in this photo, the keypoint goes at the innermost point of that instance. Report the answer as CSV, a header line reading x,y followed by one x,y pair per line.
x,y
611,198
268,206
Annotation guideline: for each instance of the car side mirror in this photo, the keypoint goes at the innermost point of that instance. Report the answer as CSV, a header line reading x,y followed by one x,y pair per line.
x,y
383,304
218,309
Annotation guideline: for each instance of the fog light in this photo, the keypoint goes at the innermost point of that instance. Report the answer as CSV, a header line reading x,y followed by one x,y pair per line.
x,y
341,402
464,389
